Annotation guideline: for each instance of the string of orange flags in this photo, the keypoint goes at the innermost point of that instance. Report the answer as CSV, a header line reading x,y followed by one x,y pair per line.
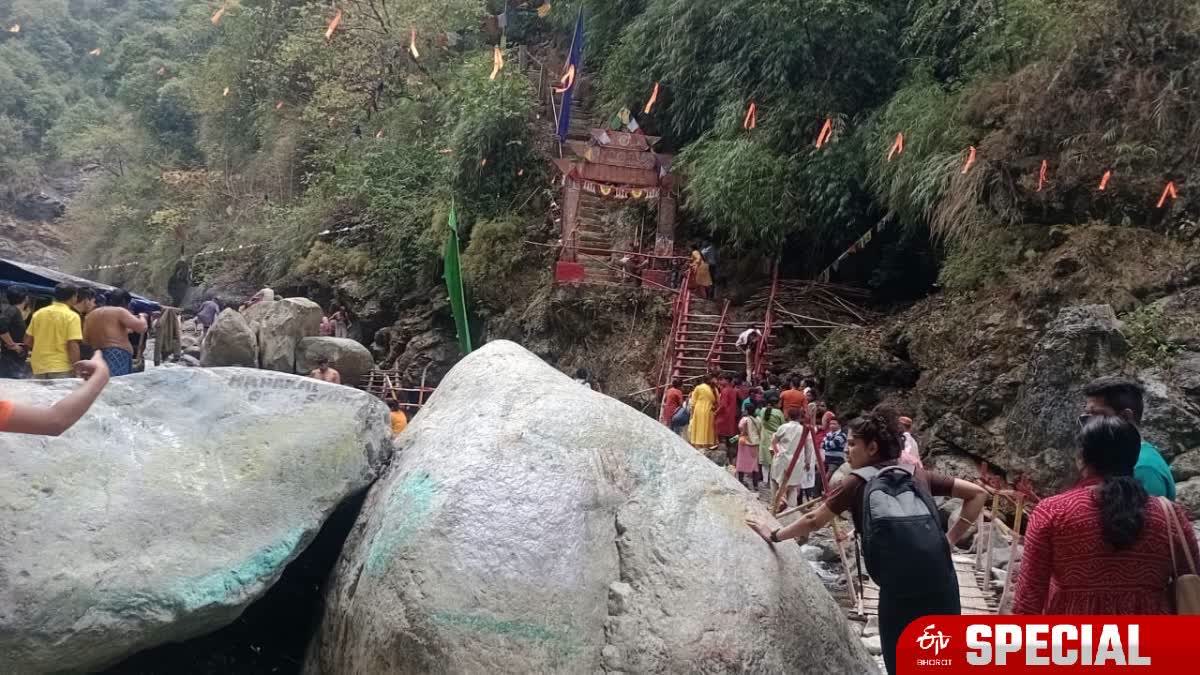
x,y
497,62
751,120
333,25
826,133
1104,180
653,99
970,160
412,43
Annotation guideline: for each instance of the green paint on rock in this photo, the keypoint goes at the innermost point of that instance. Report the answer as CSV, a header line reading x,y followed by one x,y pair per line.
x,y
408,507
559,641
225,587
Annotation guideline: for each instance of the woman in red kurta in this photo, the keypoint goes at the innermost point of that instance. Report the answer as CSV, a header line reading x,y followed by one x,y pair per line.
x,y
1102,547
673,401
727,412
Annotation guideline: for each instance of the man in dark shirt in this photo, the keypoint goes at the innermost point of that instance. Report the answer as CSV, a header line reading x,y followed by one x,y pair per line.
x,y
12,334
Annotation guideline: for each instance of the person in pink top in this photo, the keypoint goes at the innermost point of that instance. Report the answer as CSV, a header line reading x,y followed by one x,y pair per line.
x,y
1104,547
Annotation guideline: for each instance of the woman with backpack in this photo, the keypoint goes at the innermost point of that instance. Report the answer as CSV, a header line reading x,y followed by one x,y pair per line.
x,y
906,553
1104,546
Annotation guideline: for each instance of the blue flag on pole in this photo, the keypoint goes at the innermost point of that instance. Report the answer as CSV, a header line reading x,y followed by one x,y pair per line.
x,y
574,61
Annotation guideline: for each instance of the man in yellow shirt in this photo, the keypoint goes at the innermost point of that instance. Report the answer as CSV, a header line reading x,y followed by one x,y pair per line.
x,y
54,335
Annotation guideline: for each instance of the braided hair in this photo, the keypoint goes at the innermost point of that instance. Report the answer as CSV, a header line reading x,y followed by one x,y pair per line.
x,y
881,426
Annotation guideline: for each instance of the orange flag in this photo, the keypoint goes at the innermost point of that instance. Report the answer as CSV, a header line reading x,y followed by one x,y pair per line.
x,y
216,18
1042,175
897,146
15,28
826,132
333,25
751,120
226,92
278,105
162,71
970,160
379,134
567,81
497,62
652,101
412,43
1104,181
520,172
1169,192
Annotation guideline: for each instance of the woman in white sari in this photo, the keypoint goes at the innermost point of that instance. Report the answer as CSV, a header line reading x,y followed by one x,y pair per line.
x,y
784,444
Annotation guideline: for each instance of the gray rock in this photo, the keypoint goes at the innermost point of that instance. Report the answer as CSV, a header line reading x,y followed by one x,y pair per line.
x,y
279,326
349,358
1082,343
1186,466
872,627
230,342
873,645
189,361
171,506
188,341
501,555
1187,495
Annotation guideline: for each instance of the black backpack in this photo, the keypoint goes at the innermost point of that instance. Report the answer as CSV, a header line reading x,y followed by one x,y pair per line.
x,y
903,542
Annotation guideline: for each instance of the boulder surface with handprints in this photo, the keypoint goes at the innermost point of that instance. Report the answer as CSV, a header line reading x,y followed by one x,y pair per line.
x,y
171,506
528,524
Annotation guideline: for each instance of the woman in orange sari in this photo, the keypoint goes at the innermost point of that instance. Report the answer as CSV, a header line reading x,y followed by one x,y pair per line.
x,y
701,277
702,430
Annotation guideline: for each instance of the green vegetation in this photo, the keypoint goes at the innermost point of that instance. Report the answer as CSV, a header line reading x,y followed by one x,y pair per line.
x,y
1148,329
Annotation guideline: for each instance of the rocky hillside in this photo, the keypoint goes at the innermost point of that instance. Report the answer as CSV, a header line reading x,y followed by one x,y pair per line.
x,y
996,374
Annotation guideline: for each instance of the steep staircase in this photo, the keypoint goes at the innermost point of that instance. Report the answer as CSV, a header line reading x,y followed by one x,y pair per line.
x,y
707,339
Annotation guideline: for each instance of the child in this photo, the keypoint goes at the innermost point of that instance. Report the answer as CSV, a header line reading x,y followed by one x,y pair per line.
x,y
749,428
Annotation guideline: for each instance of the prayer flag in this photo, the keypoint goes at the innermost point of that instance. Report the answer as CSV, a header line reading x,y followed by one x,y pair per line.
x,y
226,92
1042,175
826,132
520,172
652,101
278,105
544,10
454,285
94,52
15,28
1169,192
897,147
412,44
1104,180
970,160
497,62
216,18
751,120
333,25
379,134
575,63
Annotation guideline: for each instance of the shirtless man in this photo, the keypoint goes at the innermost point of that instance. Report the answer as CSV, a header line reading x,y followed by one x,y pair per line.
x,y
324,373
107,329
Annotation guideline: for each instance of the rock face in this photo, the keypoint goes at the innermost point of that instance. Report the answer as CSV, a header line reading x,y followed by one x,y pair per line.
x,y
1187,494
175,502
230,342
280,325
349,358
564,532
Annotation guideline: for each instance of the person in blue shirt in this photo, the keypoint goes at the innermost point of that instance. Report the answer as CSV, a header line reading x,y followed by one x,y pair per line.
x,y
1121,397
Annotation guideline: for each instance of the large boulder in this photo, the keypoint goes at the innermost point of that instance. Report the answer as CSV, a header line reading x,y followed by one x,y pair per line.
x,y
171,506
230,342
1082,343
279,326
548,528
348,357
1187,494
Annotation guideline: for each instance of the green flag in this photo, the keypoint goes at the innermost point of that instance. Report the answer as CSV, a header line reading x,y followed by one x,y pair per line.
x,y
454,285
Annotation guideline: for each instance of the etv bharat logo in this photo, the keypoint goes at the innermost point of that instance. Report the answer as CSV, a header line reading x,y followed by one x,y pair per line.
x,y
933,641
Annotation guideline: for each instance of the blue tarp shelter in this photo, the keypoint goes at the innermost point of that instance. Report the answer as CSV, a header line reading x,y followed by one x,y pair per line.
x,y
38,280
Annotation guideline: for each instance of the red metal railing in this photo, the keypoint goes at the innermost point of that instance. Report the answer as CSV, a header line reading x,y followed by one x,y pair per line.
x,y
679,310
768,325
716,343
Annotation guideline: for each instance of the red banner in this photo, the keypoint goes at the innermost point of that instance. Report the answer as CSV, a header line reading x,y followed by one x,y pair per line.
x,y
1048,644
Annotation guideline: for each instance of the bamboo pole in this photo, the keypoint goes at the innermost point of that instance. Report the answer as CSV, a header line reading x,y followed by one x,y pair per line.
x,y
1013,563
781,492
799,508
979,541
841,547
991,540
